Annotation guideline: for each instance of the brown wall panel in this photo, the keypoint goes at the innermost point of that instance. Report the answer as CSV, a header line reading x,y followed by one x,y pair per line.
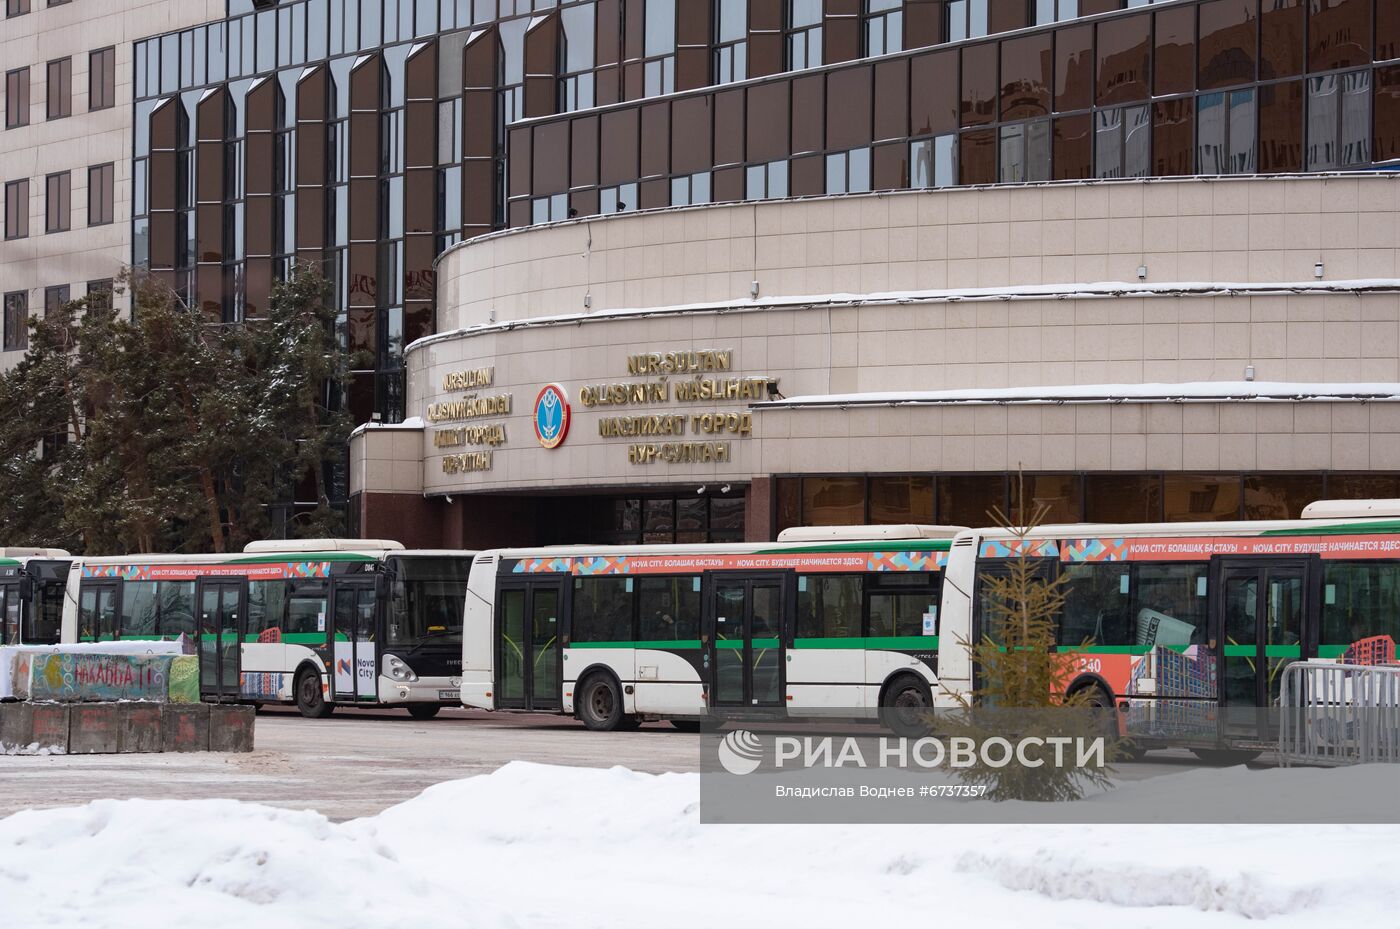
x,y
542,66
1027,76
519,163
1124,52
619,150
1073,152
550,146
1229,43
892,99
1281,128
933,93
765,37
808,176
584,202
729,127
690,134
768,122
841,39
1092,7
891,166
1173,143
1387,113
692,44
656,141
1006,16
654,194
1074,68
809,113
1281,47
977,157
583,150
1174,53
312,108
1339,33
923,23
848,109
727,185
1387,30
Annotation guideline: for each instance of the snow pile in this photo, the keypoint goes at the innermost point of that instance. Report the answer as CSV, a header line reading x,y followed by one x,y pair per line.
x,y
539,846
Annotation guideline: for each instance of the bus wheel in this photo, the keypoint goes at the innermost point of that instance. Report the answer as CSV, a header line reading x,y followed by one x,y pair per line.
x,y
599,705
423,710
686,725
310,701
1224,756
906,709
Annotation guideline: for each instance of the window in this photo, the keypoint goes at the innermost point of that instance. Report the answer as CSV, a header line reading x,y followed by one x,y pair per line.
x,y
804,34
833,501
602,609
884,26
57,202
1098,604
16,7
1225,132
967,19
1025,152
829,606
17,209
139,604
16,98
617,199
54,299
731,40
1122,142
1339,120
1359,600
659,68
576,85
100,195
549,209
934,162
848,172
16,336
669,608
306,609
1054,11
102,79
896,611
1169,604
60,88
100,294
767,182
691,189
267,602
176,607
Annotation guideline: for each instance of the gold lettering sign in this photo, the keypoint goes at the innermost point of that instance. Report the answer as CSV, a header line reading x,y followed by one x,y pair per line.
x,y
474,379
469,407
490,434
679,453
680,362
466,461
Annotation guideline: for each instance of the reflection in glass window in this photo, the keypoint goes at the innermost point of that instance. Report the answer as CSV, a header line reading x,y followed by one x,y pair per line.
x,y
1359,600
934,162
602,609
1169,604
829,606
1225,133
267,601
138,609
1025,152
1122,141
1339,121
901,613
1098,604
669,608
176,607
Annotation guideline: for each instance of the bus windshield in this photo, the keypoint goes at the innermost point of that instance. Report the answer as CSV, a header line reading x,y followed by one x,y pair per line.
x,y
429,596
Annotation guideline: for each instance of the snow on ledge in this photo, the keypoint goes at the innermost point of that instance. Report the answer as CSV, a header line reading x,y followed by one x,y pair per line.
x,y
1197,391
411,424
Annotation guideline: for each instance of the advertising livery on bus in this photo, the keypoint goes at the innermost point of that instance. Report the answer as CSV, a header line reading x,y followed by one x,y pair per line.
x,y
1166,624
315,622
31,594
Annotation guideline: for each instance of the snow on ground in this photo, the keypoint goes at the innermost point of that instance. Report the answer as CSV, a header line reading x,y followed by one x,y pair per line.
x,y
540,846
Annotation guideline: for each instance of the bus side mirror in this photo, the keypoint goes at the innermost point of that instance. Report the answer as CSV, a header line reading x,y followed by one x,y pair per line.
x,y
381,586
26,589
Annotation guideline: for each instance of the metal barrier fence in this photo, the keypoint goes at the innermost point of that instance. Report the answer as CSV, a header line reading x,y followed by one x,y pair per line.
x,y
1339,714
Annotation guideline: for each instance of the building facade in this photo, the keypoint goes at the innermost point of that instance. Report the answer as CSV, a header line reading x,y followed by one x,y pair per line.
x,y
65,151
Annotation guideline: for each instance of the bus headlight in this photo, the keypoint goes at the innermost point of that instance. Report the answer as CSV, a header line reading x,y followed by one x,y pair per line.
x,y
395,669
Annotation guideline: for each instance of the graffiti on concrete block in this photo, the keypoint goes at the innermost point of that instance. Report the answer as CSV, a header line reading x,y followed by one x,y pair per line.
x,y
99,677
184,679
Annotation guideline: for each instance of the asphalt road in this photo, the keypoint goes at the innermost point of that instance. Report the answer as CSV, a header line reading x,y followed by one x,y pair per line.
x,y
358,762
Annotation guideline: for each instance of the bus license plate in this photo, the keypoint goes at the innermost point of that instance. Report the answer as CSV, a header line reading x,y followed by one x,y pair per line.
x,y
449,695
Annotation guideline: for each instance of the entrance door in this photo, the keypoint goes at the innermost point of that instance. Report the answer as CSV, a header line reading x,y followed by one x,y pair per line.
x,y
746,641
528,646
9,614
1258,630
220,635
353,642
97,613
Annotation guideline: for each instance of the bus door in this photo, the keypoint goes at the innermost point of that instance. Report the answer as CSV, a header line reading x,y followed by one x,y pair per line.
x,y
9,614
1257,627
353,639
745,632
528,643
221,611
97,612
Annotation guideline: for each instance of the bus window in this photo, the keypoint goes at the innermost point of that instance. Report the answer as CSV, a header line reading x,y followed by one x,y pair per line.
x,y
138,609
901,612
1359,600
1098,604
267,601
1169,604
602,609
829,606
45,622
670,608
176,608
9,614
306,609
428,601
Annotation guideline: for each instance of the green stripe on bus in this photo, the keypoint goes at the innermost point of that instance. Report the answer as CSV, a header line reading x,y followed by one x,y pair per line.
x,y
1113,649
295,638
644,643
739,643
1270,651
887,642
1379,525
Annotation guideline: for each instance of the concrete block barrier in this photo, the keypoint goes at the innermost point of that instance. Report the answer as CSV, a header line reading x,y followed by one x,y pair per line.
x,y
125,727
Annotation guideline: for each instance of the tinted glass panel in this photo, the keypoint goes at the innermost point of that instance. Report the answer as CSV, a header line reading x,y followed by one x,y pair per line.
x,y
1124,48
1228,42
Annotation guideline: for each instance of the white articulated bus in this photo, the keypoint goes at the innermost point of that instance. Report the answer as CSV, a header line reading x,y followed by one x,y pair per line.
x,y
835,618
31,594
319,623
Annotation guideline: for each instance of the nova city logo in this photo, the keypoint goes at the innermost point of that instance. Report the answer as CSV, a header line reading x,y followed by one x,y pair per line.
x,y
552,415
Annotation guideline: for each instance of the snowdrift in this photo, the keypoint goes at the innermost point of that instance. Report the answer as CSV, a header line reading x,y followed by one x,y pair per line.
x,y
541,846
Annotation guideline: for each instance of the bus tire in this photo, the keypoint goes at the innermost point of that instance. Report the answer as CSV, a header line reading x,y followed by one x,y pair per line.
x,y
311,701
686,725
599,704
906,706
423,710
1224,757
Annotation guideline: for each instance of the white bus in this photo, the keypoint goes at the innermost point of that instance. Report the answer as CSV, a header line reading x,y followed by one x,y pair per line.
x,y
319,623
1182,629
31,595
823,619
